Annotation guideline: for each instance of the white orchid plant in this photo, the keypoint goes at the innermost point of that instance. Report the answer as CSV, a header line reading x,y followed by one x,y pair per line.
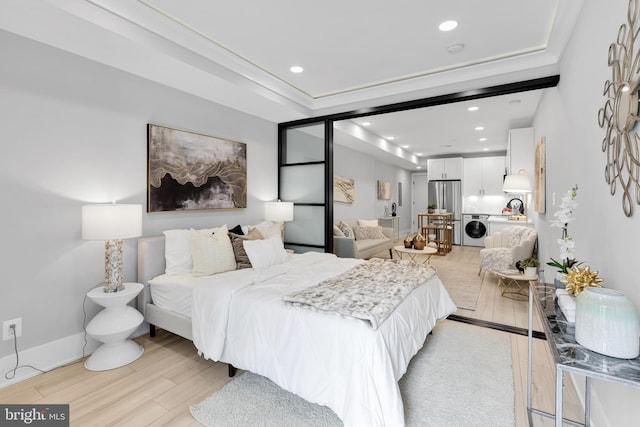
x,y
562,218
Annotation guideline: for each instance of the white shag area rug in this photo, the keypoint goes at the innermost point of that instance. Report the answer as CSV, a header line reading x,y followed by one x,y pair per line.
x,y
461,377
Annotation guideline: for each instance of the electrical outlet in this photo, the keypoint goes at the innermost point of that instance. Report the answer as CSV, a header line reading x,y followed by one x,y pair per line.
x,y
7,332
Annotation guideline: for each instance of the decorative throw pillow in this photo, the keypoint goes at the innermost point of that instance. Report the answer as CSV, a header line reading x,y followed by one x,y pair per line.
x,y
177,250
368,222
346,229
265,253
211,253
237,230
364,233
517,235
242,259
337,232
268,229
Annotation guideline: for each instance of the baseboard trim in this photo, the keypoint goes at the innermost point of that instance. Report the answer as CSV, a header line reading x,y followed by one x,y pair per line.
x,y
497,326
51,355
45,357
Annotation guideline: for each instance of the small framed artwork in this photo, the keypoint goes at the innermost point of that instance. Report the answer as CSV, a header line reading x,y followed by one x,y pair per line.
x,y
539,197
189,171
384,190
343,189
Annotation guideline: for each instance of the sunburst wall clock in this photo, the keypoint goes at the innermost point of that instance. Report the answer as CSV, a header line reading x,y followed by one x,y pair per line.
x,y
619,114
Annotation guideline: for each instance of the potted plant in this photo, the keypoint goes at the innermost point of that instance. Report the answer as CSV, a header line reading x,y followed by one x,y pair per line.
x,y
530,266
419,242
563,269
431,209
408,241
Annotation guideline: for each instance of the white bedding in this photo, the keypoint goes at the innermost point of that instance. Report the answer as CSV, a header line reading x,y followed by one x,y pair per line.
x,y
325,358
174,293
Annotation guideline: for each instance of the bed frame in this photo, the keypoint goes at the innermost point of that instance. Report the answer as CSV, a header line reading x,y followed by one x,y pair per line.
x,y
151,263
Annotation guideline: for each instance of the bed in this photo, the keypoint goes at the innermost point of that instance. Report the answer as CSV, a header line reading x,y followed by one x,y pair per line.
x,y
239,317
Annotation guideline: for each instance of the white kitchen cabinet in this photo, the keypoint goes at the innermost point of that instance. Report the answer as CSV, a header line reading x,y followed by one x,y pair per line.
x,y
499,223
483,176
520,151
448,168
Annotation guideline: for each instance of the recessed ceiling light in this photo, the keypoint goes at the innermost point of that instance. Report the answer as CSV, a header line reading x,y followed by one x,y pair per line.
x,y
404,146
455,48
448,25
482,139
366,123
419,154
418,167
296,69
446,146
479,127
515,101
390,138
474,108
485,149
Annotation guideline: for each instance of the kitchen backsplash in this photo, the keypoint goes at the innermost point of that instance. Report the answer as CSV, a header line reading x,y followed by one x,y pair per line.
x,y
484,204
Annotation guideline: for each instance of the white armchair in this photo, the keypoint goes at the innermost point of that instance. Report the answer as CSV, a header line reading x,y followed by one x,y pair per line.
x,y
504,248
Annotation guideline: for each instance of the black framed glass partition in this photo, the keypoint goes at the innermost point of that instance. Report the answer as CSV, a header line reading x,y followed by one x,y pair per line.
x,y
304,157
305,161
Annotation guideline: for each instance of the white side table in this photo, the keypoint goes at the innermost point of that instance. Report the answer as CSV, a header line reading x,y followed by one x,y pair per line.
x,y
112,326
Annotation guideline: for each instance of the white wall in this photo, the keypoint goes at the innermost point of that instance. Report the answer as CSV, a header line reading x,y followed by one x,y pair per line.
x,y
366,171
605,239
74,132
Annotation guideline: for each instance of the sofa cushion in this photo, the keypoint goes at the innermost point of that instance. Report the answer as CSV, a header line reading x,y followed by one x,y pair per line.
x,y
368,222
363,233
364,245
337,231
346,229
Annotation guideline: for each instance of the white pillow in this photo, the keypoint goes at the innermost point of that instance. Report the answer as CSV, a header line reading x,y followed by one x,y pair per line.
x,y
268,229
177,250
265,253
211,253
368,222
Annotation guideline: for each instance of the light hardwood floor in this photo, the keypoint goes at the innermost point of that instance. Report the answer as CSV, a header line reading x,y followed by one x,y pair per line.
x,y
158,388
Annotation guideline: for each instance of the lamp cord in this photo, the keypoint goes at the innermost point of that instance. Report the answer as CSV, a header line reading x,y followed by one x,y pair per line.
x,y
10,374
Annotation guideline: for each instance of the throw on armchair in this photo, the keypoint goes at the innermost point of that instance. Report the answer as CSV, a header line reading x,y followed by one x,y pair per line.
x,y
504,248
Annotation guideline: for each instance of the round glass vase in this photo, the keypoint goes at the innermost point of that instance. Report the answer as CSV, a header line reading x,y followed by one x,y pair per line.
x,y
607,323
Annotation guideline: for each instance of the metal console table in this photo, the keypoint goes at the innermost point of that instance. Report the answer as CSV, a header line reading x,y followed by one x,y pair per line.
x,y
569,356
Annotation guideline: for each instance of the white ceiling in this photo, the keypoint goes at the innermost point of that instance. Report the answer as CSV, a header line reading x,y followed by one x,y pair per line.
x,y
356,54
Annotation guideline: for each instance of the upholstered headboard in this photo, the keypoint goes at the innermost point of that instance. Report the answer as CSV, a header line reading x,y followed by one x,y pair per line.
x,y
151,263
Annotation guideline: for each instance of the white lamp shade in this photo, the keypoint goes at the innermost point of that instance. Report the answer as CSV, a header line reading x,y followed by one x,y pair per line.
x,y
278,211
111,221
516,184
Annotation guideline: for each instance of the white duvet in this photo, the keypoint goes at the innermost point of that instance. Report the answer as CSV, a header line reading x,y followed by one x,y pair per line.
x,y
338,362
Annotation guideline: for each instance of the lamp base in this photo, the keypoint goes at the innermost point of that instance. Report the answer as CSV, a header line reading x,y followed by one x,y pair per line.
x,y
113,266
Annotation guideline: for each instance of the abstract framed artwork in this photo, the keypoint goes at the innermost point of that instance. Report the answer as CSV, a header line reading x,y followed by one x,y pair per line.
x,y
189,171
343,189
384,190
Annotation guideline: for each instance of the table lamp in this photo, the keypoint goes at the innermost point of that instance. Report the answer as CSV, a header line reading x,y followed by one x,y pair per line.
x,y
519,183
111,223
278,212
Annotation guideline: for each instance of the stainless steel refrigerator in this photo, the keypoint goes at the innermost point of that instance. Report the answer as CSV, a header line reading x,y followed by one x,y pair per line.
x,y
448,195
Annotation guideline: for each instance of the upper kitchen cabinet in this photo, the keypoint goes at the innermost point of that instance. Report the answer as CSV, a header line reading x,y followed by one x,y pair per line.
x,y
448,168
483,176
520,151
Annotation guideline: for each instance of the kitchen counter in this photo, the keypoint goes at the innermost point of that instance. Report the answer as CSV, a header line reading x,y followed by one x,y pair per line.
x,y
500,222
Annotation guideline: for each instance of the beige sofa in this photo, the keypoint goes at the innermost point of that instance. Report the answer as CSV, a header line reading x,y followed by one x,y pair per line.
x,y
350,247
